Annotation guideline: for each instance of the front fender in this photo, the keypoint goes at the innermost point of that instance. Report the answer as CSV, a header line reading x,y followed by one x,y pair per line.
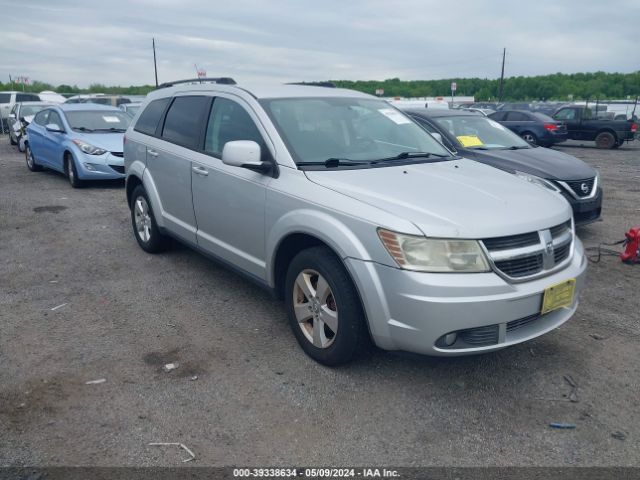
x,y
327,228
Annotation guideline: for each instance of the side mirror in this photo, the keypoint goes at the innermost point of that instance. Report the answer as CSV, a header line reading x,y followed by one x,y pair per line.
x,y
12,115
244,154
52,127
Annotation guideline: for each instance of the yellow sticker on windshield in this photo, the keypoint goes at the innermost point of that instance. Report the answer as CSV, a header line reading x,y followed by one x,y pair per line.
x,y
470,140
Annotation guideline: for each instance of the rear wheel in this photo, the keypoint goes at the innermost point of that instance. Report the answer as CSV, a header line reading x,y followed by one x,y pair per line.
x,y
323,307
31,162
605,140
72,172
145,228
530,137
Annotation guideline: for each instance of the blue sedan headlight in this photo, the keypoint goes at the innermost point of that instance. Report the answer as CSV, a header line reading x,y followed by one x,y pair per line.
x,y
88,148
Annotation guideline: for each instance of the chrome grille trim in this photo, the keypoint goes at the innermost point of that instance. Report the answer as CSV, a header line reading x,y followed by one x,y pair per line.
x,y
551,253
568,187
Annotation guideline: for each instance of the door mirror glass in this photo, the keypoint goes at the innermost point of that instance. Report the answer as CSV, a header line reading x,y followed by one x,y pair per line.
x,y
52,127
241,153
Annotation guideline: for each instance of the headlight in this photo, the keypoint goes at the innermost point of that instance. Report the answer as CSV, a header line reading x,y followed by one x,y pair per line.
x,y
434,254
88,148
541,182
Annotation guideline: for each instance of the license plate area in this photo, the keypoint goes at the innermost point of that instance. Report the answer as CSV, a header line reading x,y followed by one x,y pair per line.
x,y
558,296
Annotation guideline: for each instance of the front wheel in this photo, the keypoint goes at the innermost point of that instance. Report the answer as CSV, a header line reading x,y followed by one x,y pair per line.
x,y
144,223
323,307
72,172
12,139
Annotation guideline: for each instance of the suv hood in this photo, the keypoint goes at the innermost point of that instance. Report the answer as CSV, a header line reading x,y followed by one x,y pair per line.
x,y
542,162
112,142
452,199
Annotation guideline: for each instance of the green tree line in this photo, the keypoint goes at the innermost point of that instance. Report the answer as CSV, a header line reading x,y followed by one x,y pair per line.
x,y
558,86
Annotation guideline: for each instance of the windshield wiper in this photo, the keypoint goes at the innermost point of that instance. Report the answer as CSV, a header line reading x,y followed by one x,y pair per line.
x,y
516,147
112,129
406,155
84,129
336,162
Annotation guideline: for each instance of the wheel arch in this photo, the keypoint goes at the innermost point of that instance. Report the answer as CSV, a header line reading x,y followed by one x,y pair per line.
x,y
132,182
608,130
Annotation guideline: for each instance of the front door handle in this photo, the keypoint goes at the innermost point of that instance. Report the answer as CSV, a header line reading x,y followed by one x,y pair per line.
x,y
153,153
200,171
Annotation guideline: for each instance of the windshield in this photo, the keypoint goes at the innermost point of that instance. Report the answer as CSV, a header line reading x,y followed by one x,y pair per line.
x,y
132,110
28,110
480,133
106,121
360,130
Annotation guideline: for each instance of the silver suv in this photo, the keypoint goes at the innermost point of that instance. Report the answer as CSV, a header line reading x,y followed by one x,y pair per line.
x,y
365,224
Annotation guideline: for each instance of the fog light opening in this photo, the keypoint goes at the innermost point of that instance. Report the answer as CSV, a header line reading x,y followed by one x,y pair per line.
x,y
89,166
450,339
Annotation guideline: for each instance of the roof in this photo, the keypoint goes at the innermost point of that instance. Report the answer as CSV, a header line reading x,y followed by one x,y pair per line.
x,y
86,107
439,112
261,90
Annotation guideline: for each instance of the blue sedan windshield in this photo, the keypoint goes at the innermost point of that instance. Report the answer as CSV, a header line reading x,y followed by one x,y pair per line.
x,y
106,121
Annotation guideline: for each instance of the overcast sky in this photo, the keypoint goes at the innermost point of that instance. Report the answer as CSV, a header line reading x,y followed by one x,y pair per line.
x,y
109,42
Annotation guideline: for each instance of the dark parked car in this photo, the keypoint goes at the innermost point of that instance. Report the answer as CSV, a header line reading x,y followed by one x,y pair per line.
x,y
536,128
607,133
486,141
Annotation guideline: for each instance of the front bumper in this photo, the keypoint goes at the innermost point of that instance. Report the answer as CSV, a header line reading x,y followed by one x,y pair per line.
x,y
100,167
412,311
585,211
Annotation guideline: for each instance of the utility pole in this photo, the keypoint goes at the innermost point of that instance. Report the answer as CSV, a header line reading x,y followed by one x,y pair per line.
x,y
155,66
504,54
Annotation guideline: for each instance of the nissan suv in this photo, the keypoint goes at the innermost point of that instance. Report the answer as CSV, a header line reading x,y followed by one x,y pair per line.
x,y
368,228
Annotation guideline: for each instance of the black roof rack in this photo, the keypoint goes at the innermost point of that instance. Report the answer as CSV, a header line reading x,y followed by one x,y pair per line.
x,y
314,84
220,80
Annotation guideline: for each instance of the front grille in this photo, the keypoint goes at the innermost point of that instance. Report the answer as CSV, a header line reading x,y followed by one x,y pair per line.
x,y
582,188
521,322
118,168
117,154
529,254
521,267
561,253
514,241
480,336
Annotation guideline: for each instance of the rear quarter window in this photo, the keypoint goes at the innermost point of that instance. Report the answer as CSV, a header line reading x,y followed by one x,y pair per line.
x,y
150,118
5,97
27,97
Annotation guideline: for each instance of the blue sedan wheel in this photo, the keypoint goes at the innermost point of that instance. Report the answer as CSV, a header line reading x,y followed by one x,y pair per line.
x,y
72,172
31,162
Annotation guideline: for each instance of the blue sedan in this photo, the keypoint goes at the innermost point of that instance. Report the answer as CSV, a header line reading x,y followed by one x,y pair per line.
x,y
83,141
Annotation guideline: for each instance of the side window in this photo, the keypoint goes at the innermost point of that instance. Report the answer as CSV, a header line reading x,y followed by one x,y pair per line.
x,y
149,119
517,117
54,118
42,117
229,121
5,98
498,116
26,97
565,114
184,120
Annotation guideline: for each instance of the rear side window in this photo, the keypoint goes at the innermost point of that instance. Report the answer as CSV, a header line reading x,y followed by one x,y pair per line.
x,y
27,97
497,116
5,97
184,121
149,119
517,117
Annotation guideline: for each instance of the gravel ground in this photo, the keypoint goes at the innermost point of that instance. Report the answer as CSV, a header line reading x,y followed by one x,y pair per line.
x,y
258,400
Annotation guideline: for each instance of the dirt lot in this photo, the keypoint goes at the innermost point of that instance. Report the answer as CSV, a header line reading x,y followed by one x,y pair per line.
x,y
258,400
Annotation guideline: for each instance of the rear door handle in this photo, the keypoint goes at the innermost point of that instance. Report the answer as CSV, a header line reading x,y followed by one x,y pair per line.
x,y
153,153
200,171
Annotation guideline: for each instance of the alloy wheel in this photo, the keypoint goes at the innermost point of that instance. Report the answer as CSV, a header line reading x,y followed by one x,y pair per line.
x,y
142,219
315,308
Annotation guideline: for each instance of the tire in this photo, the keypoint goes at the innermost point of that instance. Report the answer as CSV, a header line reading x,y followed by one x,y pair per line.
x,y
72,172
143,221
327,344
31,161
530,137
12,141
606,140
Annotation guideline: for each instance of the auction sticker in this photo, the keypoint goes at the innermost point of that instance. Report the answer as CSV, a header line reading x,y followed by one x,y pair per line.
x,y
110,119
394,115
470,140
